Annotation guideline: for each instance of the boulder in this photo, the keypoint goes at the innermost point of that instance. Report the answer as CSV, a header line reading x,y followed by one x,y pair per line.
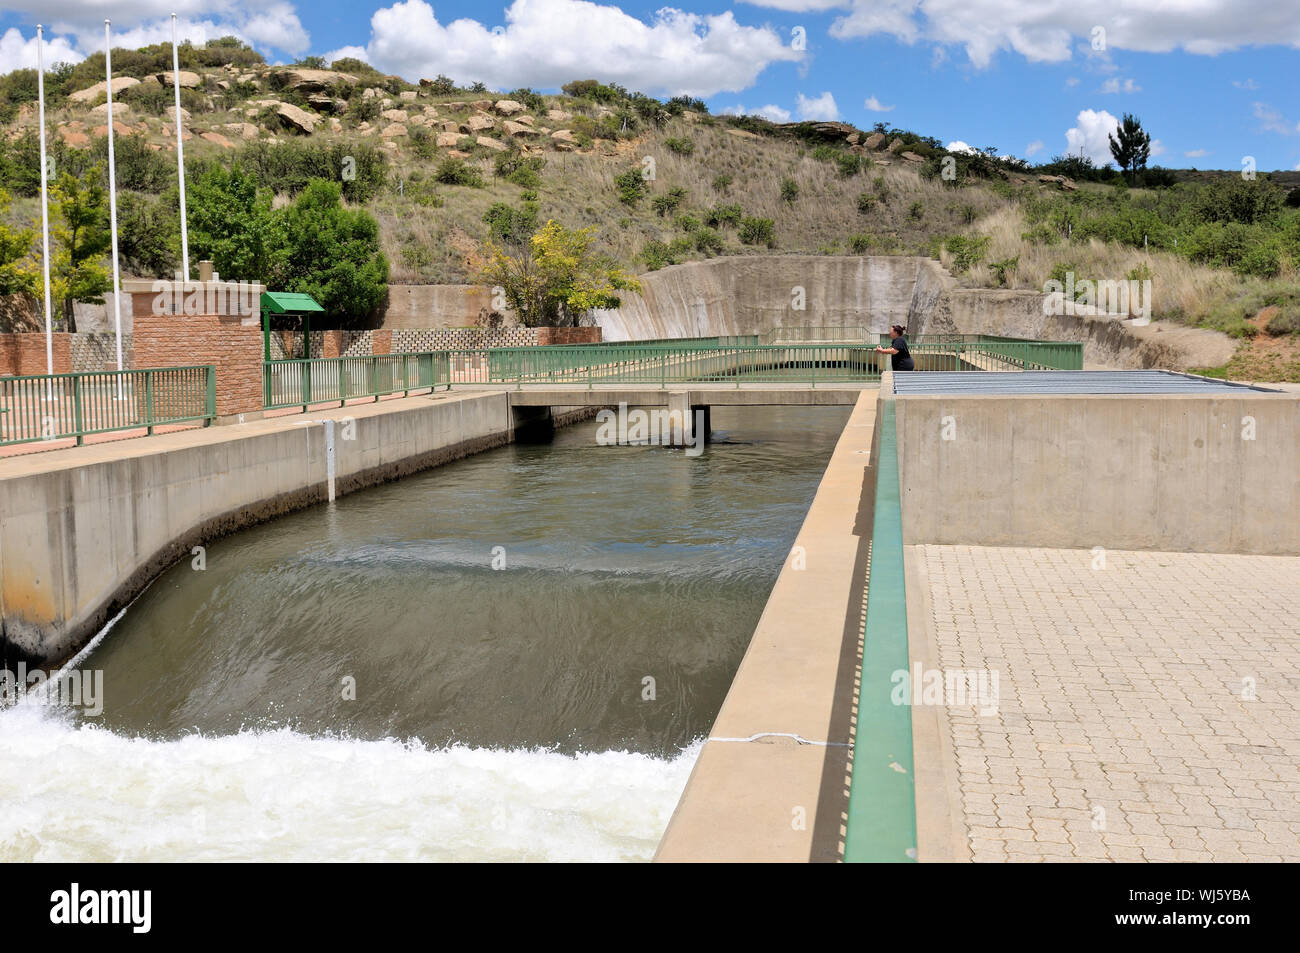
x,y
488,142
457,154
912,157
741,134
247,130
517,129
479,122
119,110
327,104
395,115
564,137
396,129
874,141
91,93
526,120
150,81
408,95
371,93
73,137
508,107
295,118
1063,182
223,84
558,115
896,146
170,113
430,111
482,105
447,140
315,80
185,79
218,138
449,126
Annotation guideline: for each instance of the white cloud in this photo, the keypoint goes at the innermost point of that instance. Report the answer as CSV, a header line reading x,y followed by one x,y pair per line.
x,y
1297,167
1196,153
958,146
819,107
1072,81
1046,30
1115,85
265,26
19,53
1245,84
546,43
1035,147
1272,121
1091,135
769,112
875,105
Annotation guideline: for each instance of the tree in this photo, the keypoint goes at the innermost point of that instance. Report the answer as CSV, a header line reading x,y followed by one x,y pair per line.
x,y
17,273
231,222
148,234
1133,147
555,277
81,239
333,252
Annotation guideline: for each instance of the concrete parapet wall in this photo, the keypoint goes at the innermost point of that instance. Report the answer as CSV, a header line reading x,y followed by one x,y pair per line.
x,y
83,531
1188,473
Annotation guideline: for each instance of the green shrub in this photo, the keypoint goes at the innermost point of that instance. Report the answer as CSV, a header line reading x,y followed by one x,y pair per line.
x,y
758,231
916,210
967,251
723,215
453,171
850,164
631,186
669,201
862,242
707,241
789,190
1002,270
688,223
510,224
683,147
722,182
866,202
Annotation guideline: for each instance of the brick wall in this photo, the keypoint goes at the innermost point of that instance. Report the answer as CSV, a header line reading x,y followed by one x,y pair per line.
x,y
23,354
233,343
568,336
382,342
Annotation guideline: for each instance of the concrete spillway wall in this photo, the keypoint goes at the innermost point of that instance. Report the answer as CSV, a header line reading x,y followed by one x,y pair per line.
x,y
81,535
1184,473
750,295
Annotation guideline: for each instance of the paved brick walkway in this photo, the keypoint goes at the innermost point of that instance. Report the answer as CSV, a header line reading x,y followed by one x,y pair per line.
x,y
1125,727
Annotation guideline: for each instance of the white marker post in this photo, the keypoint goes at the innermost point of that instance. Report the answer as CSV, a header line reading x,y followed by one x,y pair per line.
x,y
112,206
45,203
180,151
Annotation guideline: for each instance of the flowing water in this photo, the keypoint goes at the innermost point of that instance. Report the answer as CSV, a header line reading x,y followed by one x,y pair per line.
x,y
510,657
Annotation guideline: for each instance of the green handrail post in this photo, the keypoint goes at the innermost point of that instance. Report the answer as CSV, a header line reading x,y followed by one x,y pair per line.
x,y
343,382
210,407
306,384
76,409
148,402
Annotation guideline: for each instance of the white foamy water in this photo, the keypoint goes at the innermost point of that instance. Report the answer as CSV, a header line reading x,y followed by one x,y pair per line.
x,y
74,792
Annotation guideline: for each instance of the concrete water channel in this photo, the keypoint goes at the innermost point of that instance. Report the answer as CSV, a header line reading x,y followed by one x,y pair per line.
x,y
812,756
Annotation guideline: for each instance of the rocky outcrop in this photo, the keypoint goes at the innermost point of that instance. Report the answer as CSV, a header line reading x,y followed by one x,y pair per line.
x,y
496,145
91,93
314,80
508,107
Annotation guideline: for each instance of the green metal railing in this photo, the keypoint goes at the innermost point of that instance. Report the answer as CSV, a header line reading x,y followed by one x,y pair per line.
x,y
50,407
300,383
977,350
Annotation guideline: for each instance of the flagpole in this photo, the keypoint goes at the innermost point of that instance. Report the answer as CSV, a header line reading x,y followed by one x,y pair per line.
x,y
112,204
45,204
180,150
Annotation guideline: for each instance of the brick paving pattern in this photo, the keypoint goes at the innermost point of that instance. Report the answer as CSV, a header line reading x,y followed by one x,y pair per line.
x,y
1126,729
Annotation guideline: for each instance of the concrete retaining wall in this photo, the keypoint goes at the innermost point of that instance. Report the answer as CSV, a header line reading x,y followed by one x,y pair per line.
x,y
81,535
1158,472
750,295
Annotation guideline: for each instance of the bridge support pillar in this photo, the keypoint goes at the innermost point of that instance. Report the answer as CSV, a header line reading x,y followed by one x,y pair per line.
x,y
694,417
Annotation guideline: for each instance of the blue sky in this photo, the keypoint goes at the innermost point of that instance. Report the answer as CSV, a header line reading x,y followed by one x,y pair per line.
x,y
1035,78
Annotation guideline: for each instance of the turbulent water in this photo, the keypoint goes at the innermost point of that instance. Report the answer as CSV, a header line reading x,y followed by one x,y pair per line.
x,y
512,657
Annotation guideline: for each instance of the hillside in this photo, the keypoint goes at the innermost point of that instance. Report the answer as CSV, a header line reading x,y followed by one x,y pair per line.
x,y
442,170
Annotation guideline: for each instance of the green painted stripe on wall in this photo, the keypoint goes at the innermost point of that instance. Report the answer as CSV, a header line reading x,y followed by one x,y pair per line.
x,y
882,795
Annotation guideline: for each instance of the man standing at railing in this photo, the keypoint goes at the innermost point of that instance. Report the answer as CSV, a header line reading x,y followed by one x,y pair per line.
x,y
900,356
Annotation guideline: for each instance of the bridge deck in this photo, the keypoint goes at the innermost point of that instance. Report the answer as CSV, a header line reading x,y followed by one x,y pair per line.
x,y
714,395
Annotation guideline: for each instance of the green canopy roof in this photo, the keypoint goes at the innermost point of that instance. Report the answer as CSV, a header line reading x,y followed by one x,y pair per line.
x,y
288,302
